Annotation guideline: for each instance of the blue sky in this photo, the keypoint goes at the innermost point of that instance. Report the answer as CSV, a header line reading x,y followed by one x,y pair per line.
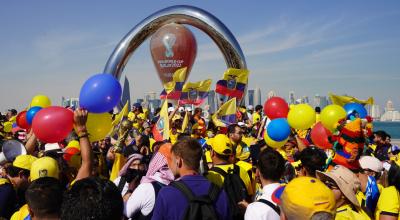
x,y
352,47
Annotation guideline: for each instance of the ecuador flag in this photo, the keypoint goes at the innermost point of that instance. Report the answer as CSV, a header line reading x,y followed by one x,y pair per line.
x,y
226,114
195,93
233,84
172,90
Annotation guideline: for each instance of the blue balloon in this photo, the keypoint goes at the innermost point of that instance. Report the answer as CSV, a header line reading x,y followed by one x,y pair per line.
x,y
100,93
30,114
355,108
278,129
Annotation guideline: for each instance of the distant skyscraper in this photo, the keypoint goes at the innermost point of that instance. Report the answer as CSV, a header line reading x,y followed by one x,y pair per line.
x,y
375,112
257,97
126,94
390,113
317,100
70,102
271,94
305,100
324,102
250,95
211,101
292,99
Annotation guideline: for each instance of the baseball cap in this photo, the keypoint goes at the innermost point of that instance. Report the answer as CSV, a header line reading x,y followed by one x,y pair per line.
x,y
171,109
221,144
24,161
371,163
302,197
181,109
241,124
189,109
52,147
13,111
44,167
250,107
346,180
136,105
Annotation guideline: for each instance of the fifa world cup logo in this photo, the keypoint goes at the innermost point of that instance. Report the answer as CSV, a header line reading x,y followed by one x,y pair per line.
x,y
169,41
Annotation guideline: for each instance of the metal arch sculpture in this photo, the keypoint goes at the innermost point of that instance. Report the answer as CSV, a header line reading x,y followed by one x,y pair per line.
x,y
181,14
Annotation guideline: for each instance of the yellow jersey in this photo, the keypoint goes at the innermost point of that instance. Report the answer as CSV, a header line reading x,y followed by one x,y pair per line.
x,y
388,203
346,212
218,179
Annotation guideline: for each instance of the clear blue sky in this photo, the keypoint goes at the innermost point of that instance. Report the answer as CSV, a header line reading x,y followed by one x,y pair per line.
x,y
310,47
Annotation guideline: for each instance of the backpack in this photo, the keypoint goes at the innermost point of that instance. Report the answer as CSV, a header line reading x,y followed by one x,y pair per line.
x,y
271,205
139,216
200,207
234,188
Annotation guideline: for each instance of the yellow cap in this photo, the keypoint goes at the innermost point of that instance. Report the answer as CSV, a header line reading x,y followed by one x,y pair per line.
x,y
24,161
73,144
44,167
221,144
7,126
305,196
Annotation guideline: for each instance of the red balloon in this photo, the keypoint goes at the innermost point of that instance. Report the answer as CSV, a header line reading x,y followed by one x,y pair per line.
x,y
21,120
319,136
53,124
172,47
276,107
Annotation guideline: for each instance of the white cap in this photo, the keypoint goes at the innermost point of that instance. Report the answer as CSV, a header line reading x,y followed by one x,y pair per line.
x,y
51,146
241,124
181,109
250,107
171,109
372,163
189,109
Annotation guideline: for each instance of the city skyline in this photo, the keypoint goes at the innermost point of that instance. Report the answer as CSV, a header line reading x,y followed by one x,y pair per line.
x,y
311,47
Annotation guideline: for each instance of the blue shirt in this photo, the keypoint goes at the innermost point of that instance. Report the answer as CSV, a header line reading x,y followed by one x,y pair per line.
x,y
172,203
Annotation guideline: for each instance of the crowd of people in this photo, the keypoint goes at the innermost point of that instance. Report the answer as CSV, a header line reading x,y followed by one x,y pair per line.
x,y
201,171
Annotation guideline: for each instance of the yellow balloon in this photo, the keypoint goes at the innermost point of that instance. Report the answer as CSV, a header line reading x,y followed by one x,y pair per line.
x,y
41,101
301,116
98,126
330,116
272,143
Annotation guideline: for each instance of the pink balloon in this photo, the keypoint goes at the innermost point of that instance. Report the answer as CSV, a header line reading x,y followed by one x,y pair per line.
x,y
319,136
276,107
53,124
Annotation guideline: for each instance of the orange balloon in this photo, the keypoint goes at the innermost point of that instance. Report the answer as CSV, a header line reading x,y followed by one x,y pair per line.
x,y
172,47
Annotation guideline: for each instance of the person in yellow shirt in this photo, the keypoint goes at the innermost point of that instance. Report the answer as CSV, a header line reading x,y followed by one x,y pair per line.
x,y
222,158
344,185
388,207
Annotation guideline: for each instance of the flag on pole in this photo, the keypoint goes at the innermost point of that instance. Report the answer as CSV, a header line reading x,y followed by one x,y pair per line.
x,y
233,83
173,89
195,93
226,114
185,123
161,128
343,100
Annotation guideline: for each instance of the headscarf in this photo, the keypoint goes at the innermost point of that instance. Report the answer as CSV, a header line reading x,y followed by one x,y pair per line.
x,y
158,167
131,158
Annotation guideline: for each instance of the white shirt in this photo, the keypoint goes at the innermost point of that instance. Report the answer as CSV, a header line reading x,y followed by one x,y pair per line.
x,y
141,200
125,189
258,210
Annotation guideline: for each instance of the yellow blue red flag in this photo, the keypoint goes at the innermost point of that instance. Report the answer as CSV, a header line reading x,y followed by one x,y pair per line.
x,y
233,84
226,114
173,89
195,93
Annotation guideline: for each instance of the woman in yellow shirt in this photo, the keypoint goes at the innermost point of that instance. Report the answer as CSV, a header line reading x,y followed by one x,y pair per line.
x,y
388,207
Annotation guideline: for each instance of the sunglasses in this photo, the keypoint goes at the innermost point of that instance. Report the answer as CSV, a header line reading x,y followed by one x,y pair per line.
x,y
331,185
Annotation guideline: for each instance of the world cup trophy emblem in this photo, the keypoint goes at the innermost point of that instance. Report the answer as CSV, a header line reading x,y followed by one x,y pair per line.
x,y
169,41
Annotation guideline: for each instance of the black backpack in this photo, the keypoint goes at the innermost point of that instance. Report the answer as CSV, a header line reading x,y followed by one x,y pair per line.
x,y
200,207
234,188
